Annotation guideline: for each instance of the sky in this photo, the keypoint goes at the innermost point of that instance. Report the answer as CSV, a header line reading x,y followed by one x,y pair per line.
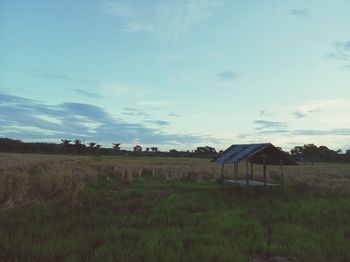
x,y
176,73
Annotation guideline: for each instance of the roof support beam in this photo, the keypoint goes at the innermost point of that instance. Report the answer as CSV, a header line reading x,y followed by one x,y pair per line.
x,y
235,171
282,172
222,175
264,168
247,172
251,170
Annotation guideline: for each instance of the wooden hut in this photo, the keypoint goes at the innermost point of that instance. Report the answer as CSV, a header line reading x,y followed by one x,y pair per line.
x,y
263,154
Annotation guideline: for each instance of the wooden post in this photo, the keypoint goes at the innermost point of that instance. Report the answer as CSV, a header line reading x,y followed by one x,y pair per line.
x,y
282,172
246,172
222,175
264,163
236,171
251,170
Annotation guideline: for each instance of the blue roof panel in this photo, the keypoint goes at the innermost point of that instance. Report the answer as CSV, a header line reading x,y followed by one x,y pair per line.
x,y
236,153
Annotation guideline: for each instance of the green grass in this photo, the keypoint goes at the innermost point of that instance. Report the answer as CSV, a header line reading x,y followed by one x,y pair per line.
x,y
153,220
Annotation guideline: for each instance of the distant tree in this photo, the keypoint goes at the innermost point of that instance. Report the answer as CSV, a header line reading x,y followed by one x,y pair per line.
x,y
154,149
137,148
323,150
297,153
66,142
97,149
174,152
79,146
91,144
348,152
205,151
311,152
325,154
339,151
148,149
116,146
66,145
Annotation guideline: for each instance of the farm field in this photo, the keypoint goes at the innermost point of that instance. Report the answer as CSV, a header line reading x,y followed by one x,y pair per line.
x,y
72,208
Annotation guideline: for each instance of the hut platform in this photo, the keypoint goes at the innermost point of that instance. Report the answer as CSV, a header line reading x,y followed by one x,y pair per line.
x,y
249,183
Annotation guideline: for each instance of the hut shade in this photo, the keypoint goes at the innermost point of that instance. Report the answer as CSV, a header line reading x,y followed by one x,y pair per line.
x,y
254,153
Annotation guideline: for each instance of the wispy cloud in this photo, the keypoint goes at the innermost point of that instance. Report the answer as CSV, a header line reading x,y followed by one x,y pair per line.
x,y
264,113
269,125
130,111
301,13
59,77
280,128
118,89
327,109
227,76
340,52
173,115
159,122
163,19
156,103
86,93
242,136
316,132
306,113
299,114
30,119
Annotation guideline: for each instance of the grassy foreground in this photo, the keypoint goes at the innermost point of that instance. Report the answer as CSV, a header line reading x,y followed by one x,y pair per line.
x,y
149,219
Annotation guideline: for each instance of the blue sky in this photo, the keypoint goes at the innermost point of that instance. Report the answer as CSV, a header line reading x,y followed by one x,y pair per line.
x,y
176,73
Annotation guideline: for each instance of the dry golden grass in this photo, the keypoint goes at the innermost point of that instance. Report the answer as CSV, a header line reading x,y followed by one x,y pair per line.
x,y
27,161
25,178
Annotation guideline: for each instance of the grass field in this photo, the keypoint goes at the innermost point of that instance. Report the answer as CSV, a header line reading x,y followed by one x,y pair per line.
x,y
63,208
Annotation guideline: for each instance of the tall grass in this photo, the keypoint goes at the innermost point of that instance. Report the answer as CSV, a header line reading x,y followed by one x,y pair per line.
x,y
154,220
27,179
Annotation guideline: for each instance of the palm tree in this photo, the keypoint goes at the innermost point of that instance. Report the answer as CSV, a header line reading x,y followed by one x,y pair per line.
x,y
65,142
98,147
116,146
79,146
154,149
92,144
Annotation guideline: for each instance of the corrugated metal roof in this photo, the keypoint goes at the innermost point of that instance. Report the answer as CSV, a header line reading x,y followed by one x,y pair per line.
x,y
236,153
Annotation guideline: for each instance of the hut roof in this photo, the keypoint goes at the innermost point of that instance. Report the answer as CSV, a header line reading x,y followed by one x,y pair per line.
x,y
254,153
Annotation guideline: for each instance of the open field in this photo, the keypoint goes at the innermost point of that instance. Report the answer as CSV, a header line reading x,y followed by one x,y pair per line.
x,y
58,208
32,178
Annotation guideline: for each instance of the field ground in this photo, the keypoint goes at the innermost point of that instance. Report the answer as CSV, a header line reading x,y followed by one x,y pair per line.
x,y
64,208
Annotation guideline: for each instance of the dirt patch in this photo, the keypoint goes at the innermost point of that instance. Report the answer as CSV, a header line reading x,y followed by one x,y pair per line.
x,y
164,192
273,259
134,205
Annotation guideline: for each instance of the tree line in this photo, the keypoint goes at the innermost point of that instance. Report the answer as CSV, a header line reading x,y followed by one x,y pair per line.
x,y
313,153
306,153
78,147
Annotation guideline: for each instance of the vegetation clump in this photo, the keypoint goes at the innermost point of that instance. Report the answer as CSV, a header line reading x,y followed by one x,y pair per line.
x,y
149,219
99,208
